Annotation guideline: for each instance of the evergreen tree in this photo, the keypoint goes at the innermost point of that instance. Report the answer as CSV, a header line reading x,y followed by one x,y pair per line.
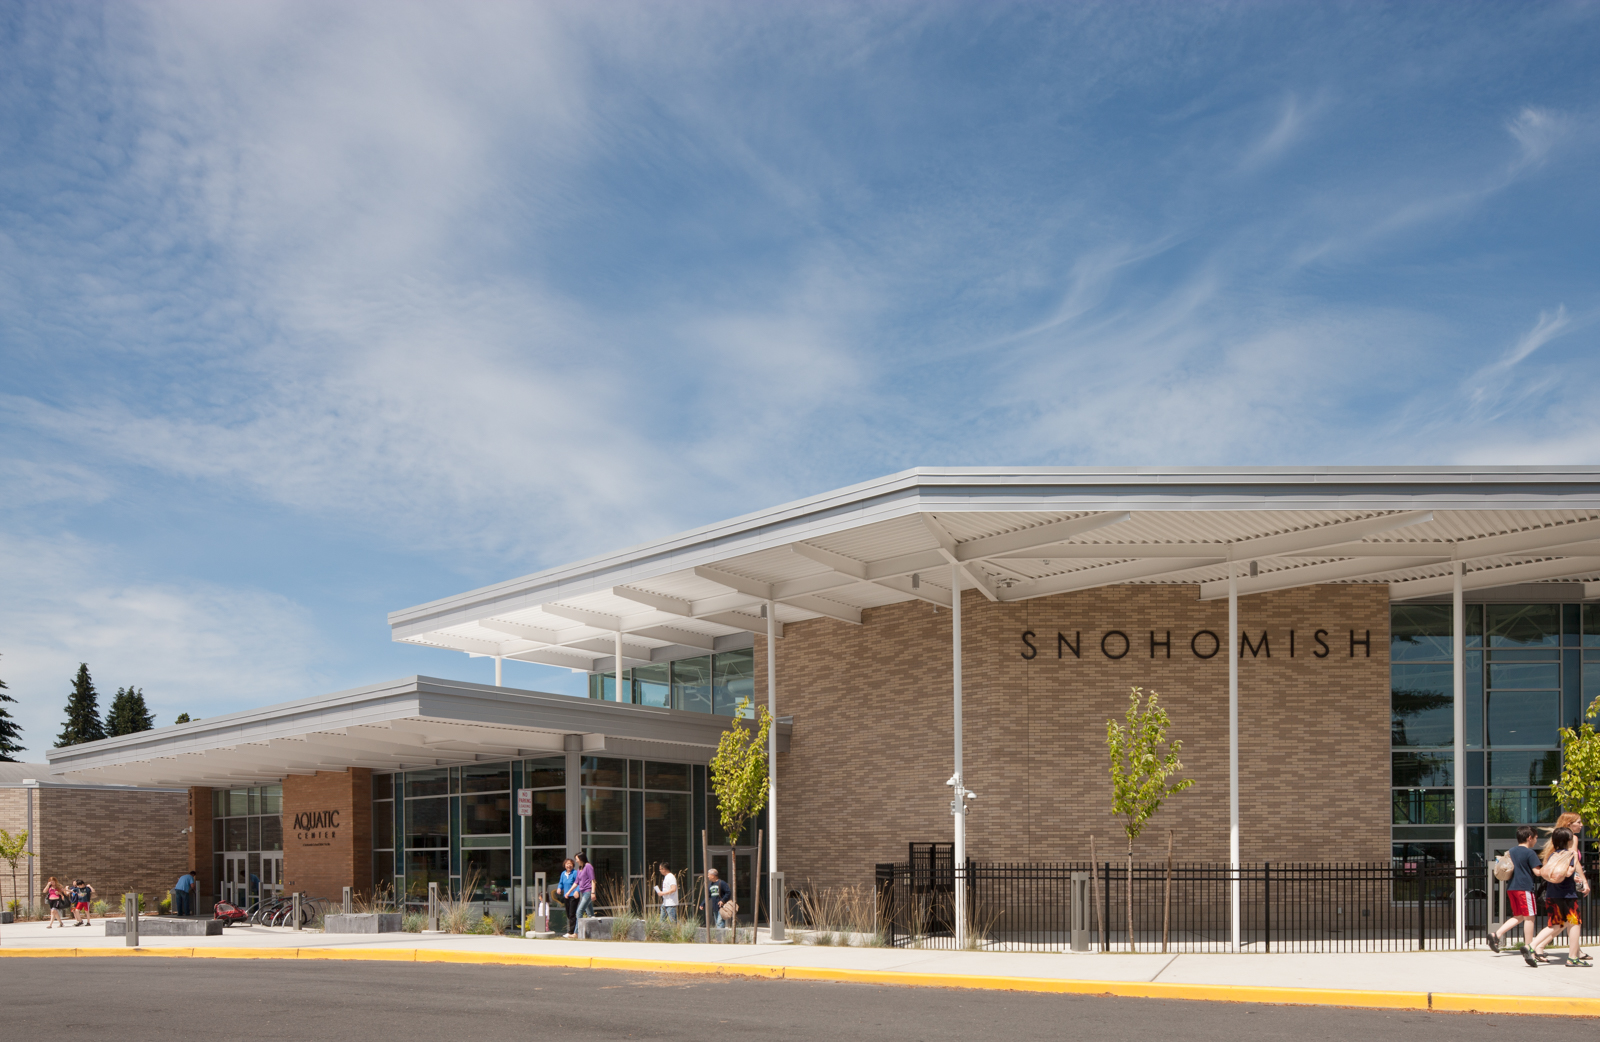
x,y
10,730
83,712
128,712
183,718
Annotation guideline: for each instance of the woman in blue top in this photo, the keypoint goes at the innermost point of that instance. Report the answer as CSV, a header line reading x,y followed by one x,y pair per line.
x,y
1563,874
568,888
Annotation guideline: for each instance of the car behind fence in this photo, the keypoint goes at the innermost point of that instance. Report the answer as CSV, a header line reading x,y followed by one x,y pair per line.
x,y
1187,906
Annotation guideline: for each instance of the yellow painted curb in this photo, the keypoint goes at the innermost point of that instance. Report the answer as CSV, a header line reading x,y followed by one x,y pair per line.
x,y
1447,1003
1439,1002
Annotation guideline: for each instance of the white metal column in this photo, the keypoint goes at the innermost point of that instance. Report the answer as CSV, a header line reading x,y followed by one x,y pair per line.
x,y
497,672
958,804
1458,658
618,669
1233,744
772,739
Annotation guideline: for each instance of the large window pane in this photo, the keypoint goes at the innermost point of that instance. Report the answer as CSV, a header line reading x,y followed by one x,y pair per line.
x,y
667,823
238,833
272,832
1423,770
1591,625
1419,632
238,802
1522,806
486,814
383,786
383,826
1524,675
652,685
490,871
605,771
605,810
610,874
674,776
272,799
1424,807
1421,700
428,823
255,833
1523,625
486,777
735,679
424,867
1524,768
547,860
1473,711
547,825
434,782
546,773
1524,717
691,684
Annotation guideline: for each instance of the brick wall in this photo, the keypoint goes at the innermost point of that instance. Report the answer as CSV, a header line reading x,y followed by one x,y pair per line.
x,y
120,841
320,858
199,846
871,747
14,819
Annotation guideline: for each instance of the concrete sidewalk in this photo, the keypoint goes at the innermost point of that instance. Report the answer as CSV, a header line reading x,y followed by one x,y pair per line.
x,y
1457,980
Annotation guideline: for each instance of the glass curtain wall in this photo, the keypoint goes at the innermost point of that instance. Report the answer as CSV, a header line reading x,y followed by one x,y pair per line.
x,y
246,822
546,841
704,684
1529,670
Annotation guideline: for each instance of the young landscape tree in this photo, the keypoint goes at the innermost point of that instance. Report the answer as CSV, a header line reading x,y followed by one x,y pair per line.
x,y
183,718
1139,772
739,780
1578,788
128,714
10,730
12,850
83,712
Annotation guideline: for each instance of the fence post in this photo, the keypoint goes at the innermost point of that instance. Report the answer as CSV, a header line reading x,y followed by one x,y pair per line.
x,y
1105,918
1266,902
1422,919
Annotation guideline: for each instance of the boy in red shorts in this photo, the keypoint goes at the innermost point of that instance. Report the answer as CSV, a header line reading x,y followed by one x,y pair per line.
x,y
1519,894
82,895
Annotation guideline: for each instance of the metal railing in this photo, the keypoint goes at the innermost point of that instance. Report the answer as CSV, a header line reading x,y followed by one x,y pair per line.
x,y
1187,906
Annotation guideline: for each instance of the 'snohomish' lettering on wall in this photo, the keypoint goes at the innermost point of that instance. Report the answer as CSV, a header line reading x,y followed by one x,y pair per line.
x,y
316,824
1203,644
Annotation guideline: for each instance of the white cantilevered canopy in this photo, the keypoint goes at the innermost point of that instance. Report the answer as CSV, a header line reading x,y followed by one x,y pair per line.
x,y
1032,532
400,725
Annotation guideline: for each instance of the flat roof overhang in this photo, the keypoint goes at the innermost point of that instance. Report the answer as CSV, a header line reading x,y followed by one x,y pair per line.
x,y
407,724
1020,533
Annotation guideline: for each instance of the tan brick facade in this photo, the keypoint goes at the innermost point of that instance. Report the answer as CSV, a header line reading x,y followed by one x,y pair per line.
x,y
121,841
327,832
871,747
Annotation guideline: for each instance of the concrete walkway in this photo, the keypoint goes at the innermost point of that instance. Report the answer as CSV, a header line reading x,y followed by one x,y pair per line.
x,y
1457,980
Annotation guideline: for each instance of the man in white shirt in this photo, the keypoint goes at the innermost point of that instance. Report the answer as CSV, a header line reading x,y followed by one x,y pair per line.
x,y
668,891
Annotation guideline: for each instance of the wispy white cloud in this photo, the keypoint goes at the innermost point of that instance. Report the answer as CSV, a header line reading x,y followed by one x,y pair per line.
x,y
194,647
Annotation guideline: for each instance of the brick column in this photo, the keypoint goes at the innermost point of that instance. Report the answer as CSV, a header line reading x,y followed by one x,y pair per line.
x,y
200,851
327,832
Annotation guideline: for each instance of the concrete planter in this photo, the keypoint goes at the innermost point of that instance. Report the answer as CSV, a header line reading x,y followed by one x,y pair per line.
x,y
6,918
363,922
599,929
167,927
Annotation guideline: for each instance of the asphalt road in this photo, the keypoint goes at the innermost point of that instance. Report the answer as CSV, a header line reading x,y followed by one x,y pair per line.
x,y
166,999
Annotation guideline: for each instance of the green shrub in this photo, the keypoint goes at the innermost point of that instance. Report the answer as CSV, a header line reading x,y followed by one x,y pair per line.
x,y
97,908
414,922
166,905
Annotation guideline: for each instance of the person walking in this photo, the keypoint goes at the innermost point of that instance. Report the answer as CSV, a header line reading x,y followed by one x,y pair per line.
x,y
1563,872
82,895
584,885
181,893
718,893
567,887
667,890
55,896
1519,889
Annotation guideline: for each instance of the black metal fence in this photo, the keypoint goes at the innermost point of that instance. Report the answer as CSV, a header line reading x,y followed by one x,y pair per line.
x,y
1188,906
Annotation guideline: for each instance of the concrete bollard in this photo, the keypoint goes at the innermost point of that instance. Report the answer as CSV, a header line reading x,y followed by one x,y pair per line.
x,y
433,907
130,916
1080,911
777,909
347,908
296,911
541,904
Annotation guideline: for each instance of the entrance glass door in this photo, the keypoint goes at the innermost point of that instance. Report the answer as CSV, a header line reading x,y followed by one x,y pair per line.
x,y
271,876
235,880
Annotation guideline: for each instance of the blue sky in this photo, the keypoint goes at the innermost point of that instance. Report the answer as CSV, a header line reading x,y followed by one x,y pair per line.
x,y
309,312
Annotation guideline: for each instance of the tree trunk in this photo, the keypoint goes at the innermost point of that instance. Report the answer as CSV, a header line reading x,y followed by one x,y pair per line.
x,y
1166,899
1094,893
1131,946
733,884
